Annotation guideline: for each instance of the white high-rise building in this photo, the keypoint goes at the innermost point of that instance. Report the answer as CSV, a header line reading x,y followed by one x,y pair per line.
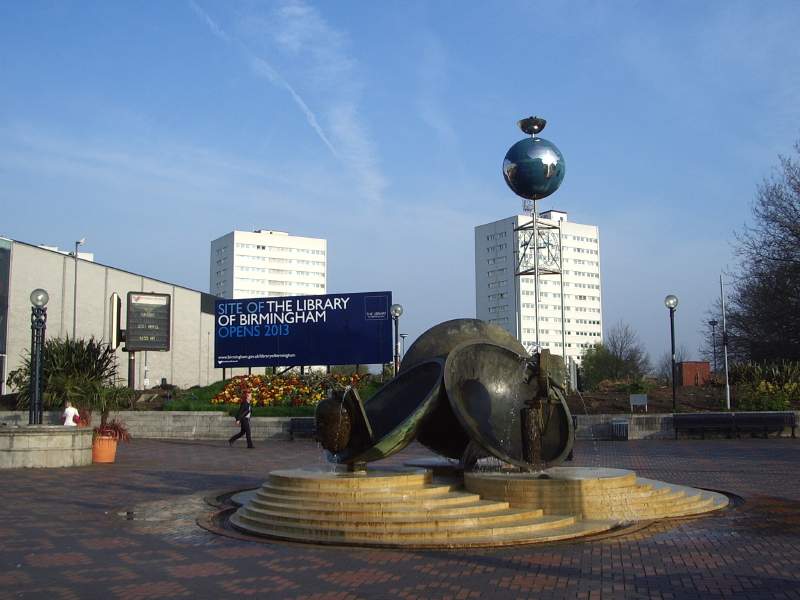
x,y
82,255
508,301
262,263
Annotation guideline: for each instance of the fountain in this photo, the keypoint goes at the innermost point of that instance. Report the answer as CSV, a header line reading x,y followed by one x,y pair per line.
x,y
470,392
458,390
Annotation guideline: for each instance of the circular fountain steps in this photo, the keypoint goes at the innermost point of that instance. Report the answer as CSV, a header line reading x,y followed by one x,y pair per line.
x,y
593,494
394,508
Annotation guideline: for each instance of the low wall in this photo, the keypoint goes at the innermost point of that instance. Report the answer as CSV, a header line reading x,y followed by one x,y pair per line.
x,y
179,425
44,446
184,425
641,426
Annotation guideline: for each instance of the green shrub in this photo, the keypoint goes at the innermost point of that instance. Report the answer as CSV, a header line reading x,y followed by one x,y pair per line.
x,y
766,396
766,386
639,386
105,398
71,368
779,373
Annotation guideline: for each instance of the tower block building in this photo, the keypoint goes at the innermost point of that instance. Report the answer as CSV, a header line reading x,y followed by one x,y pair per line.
x,y
570,307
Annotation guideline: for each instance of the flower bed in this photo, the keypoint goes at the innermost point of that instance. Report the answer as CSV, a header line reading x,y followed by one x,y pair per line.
x,y
284,390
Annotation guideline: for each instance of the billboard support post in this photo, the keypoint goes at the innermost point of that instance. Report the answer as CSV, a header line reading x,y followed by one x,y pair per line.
x,y
132,370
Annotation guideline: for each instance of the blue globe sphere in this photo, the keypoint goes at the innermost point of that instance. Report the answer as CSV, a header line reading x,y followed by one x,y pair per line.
x,y
534,168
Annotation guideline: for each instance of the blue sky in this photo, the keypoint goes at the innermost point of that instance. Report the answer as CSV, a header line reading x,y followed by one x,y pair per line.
x,y
152,128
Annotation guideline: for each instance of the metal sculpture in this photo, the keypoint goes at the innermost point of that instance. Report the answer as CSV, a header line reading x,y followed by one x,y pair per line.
x,y
509,405
466,389
533,167
357,432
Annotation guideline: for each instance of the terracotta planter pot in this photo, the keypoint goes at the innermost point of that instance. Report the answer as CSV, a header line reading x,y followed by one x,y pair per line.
x,y
104,449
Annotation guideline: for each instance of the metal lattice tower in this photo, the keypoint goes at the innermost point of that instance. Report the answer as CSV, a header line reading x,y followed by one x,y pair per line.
x,y
538,253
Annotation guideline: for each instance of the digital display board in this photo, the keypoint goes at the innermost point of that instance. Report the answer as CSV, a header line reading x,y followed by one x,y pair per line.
x,y
148,322
331,329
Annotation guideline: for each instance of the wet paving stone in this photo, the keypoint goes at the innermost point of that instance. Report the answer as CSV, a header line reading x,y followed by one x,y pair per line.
x,y
129,530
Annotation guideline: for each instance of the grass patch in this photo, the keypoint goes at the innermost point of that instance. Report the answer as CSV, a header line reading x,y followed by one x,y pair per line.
x,y
195,395
368,389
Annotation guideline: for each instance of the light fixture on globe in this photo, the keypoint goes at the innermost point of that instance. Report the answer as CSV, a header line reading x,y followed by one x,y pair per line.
x,y
39,298
533,167
671,302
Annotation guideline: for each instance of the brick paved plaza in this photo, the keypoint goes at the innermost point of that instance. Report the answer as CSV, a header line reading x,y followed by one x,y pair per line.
x,y
63,533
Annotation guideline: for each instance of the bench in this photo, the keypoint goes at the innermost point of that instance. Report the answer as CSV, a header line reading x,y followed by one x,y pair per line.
x,y
703,422
302,427
738,423
764,422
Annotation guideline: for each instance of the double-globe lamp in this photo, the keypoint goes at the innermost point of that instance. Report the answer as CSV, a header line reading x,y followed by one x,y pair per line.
x,y
671,302
396,310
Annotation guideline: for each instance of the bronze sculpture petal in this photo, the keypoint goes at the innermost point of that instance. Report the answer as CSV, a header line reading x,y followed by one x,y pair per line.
x,y
395,411
441,432
488,387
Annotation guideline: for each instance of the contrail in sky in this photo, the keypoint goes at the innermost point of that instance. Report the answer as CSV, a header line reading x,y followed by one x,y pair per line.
x,y
265,69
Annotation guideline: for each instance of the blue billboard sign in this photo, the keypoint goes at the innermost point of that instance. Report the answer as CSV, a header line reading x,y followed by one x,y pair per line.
x,y
334,329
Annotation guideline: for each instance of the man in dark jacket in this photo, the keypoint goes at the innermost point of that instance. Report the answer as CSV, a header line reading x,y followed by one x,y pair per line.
x,y
243,420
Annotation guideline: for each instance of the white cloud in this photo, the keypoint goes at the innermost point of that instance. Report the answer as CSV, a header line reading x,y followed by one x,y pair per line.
x,y
317,56
211,23
433,75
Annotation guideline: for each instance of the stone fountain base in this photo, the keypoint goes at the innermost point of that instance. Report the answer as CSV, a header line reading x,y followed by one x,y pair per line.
x,y
595,493
408,508
45,446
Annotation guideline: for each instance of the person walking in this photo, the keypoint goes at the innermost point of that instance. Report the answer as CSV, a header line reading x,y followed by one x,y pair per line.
x,y
243,420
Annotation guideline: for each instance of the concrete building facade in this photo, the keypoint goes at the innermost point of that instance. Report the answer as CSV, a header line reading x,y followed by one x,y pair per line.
x,y
265,263
25,267
508,301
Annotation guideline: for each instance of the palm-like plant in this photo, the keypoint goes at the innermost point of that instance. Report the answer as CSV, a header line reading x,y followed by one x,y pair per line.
x,y
71,369
105,398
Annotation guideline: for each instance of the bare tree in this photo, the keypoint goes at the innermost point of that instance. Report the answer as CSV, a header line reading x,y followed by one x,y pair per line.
x,y
623,344
711,344
764,318
774,237
663,370
621,357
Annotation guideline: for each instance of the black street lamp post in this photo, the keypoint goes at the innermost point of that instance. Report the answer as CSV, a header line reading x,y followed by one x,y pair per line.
x,y
671,302
78,243
396,310
39,299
